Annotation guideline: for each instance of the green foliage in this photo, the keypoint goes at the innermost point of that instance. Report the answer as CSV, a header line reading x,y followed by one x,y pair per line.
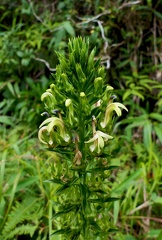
x,y
127,38
26,207
21,212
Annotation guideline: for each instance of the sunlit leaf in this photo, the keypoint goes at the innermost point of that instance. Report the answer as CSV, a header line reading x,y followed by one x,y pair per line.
x,y
147,131
68,27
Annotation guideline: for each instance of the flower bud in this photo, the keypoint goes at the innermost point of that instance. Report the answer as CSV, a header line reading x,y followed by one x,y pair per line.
x,y
68,102
86,108
66,83
56,93
49,100
70,111
107,94
98,86
80,73
101,72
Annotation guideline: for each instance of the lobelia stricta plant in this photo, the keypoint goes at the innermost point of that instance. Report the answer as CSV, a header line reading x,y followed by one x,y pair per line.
x,y
79,107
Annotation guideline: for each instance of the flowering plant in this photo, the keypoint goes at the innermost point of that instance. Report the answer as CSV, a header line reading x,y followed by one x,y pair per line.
x,y
79,105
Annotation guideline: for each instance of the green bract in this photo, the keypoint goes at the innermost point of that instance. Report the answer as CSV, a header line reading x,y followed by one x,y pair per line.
x,y
76,102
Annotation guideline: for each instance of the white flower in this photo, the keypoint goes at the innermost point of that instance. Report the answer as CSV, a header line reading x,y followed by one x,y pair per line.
x,y
98,141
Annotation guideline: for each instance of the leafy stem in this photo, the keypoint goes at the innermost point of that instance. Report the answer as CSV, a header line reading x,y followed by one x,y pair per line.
x,y
84,108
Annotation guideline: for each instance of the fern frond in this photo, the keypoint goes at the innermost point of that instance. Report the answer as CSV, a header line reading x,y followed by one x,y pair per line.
x,y
28,210
27,229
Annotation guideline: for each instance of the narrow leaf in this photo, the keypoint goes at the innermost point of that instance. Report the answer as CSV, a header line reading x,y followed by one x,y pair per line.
x,y
128,181
158,131
6,120
61,231
156,116
68,27
147,139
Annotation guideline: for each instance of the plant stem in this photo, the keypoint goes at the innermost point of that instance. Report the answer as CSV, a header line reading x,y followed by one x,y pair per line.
x,y
82,175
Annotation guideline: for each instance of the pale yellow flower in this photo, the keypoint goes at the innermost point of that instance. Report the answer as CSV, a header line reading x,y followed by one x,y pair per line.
x,y
110,108
47,131
44,136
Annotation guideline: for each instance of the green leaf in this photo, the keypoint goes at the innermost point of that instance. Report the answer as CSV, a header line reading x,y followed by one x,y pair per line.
x,y
101,200
153,233
102,168
61,190
27,182
159,237
116,211
6,120
84,194
59,181
127,94
68,27
59,36
11,89
20,212
136,120
25,62
127,182
63,212
95,225
158,131
129,237
55,180
136,93
62,231
158,14
27,229
123,63
136,124
156,116
147,130
111,230
158,200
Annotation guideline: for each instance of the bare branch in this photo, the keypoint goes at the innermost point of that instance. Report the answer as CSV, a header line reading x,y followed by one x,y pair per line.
x,y
35,15
143,217
129,4
87,20
46,63
143,205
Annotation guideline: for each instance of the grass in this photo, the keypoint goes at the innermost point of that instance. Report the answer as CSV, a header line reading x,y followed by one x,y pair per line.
x,y
25,198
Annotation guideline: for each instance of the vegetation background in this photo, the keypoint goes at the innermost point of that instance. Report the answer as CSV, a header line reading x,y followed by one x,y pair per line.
x,y
128,38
